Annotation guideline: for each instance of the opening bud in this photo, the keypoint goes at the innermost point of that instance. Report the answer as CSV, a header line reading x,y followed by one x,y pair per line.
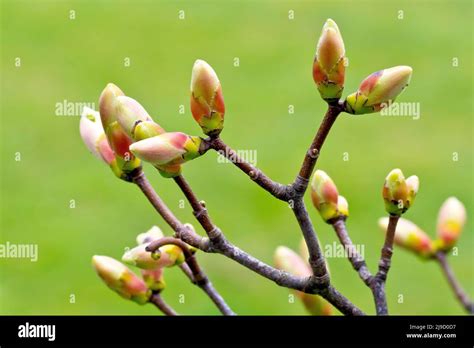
x,y
108,104
149,236
329,63
207,101
121,279
166,256
378,90
93,135
117,138
154,278
398,193
130,113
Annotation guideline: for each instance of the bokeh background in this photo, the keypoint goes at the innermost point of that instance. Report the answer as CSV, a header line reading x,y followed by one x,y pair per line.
x,y
73,59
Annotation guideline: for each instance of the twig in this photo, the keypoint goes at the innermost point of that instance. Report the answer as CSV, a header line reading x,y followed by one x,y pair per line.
x,y
285,279
357,261
276,189
139,178
198,276
220,245
453,282
316,258
217,243
292,193
378,282
314,150
158,301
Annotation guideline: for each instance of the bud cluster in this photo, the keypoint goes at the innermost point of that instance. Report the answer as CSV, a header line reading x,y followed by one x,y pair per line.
x,y
375,92
399,193
125,282
451,220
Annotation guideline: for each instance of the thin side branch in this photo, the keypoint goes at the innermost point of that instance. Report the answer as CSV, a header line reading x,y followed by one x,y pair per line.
x,y
201,279
357,261
219,244
276,189
314,150
198,276
158,301
378,282
461,295
316,258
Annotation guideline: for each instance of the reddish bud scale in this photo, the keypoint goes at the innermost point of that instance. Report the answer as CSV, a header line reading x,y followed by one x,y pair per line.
x,y
121,279
207,101
451,220
329,63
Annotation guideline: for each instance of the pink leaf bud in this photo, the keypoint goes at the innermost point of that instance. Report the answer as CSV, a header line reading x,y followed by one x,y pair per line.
x,y
166,256
378,90
207,101
121,279
93,135
328,65
324,195
451,220
167,149
410,236
108,104
117,138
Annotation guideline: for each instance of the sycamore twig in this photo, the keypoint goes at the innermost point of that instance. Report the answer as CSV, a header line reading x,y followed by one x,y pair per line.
x,y
378,282
198,276
317,284
168,151
357,261
314,150
158,301
140,180
461,295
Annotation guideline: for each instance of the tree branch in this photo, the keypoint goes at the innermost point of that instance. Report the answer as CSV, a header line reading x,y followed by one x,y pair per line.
x,y
139,178
219,244
276,189
316,258
198,276
357,261
314,150
453,282
378,282
158,301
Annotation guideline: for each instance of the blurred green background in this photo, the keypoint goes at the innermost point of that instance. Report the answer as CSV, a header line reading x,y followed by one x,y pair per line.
x,y
73,59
